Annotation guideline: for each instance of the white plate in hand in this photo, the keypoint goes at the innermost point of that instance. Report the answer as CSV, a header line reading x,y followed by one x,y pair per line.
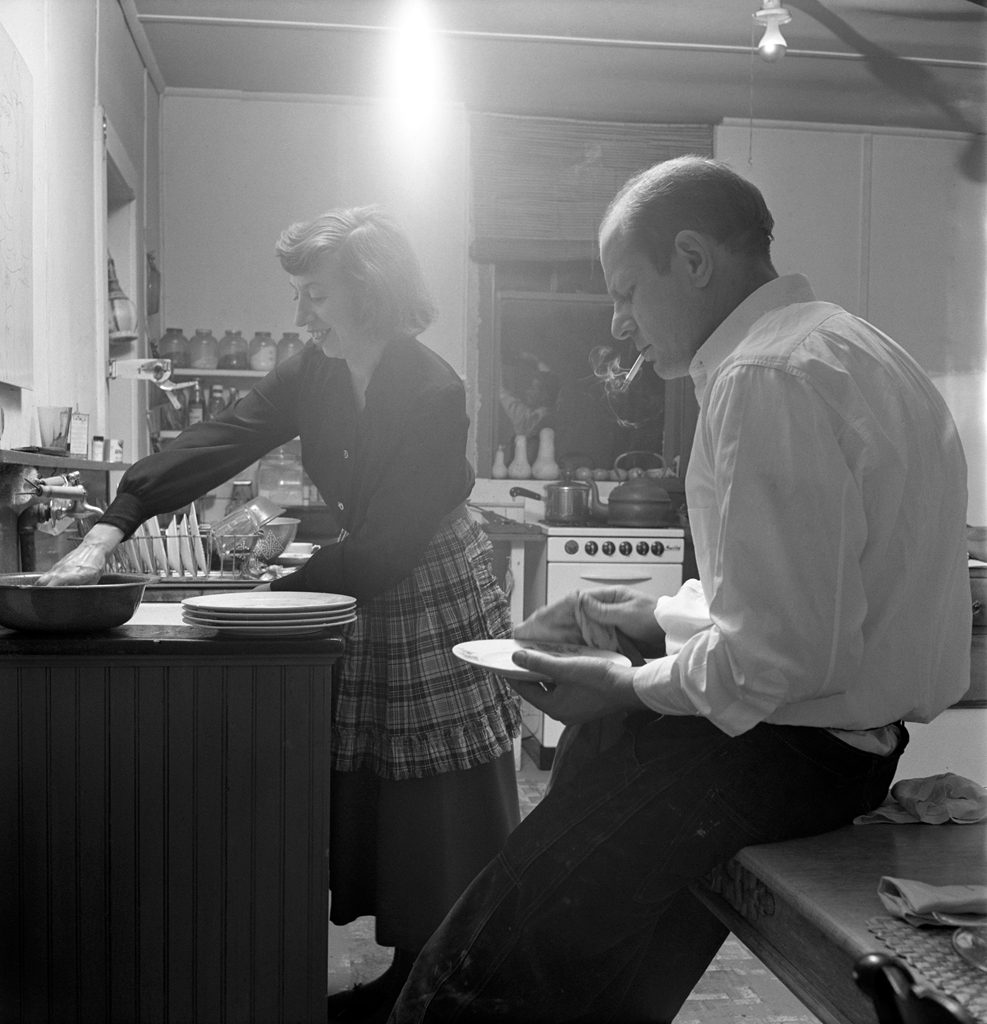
x,y
495,655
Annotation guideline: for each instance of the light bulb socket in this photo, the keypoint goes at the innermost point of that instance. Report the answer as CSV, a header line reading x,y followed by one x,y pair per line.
x,y
771,17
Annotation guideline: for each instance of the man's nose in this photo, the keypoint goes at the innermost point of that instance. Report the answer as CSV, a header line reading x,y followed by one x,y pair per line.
x,y
622,326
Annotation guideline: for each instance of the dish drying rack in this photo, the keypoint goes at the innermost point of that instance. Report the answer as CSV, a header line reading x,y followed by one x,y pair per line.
x,y
183,550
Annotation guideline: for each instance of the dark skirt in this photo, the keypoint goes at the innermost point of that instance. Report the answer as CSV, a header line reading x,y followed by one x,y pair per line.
x,y
403,850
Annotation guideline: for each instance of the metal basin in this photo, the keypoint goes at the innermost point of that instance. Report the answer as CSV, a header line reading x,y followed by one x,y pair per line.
x,y
103,605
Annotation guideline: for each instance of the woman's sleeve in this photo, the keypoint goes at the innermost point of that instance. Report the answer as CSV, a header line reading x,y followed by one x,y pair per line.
x,y
207,454
422,476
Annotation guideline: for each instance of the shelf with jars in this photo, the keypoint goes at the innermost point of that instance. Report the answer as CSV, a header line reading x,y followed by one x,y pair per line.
x,y
202,356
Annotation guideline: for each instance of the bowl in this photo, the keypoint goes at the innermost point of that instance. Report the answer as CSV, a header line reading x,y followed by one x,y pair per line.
x,y
76,609
275,536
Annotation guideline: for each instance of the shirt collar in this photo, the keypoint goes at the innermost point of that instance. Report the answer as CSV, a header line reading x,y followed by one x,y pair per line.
x,y
777,293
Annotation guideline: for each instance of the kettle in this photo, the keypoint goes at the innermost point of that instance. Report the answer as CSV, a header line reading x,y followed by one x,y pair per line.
x,y
638,502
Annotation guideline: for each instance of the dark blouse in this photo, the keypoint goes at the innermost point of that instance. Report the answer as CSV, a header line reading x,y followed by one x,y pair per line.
x,y
390,473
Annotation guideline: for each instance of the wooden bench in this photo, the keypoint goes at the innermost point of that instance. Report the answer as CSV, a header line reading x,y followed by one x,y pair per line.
x,y
803,906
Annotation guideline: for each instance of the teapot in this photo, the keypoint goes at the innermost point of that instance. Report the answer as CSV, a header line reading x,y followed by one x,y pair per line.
x,y
638,502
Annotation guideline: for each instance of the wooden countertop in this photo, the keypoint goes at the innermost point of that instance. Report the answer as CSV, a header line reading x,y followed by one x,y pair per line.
x,y
804,906
157,630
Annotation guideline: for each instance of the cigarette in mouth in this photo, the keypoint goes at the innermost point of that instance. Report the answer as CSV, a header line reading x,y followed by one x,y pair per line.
x,y
633,371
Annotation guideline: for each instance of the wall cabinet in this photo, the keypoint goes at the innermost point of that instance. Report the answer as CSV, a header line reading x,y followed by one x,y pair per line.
x,y
891,226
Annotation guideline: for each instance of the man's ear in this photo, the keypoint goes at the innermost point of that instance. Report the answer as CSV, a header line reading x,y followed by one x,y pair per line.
x,y
695,251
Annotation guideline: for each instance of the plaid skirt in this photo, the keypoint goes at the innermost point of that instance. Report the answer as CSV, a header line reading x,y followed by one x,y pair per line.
x,y
405,705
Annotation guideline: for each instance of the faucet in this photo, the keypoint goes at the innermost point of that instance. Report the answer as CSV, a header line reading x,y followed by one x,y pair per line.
x,y
66,486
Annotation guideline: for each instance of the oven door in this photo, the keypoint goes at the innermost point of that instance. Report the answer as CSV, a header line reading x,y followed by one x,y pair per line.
x,y
656,580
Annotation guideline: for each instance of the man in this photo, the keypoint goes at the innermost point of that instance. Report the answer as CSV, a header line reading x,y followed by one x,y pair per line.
x,y
827,497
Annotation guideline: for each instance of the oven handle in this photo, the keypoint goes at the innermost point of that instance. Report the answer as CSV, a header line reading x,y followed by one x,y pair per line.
x,y
616,578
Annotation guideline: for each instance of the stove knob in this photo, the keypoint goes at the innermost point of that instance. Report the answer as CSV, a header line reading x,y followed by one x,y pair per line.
x,y
608,547
571,547
657,548
626,547
590,548
642,547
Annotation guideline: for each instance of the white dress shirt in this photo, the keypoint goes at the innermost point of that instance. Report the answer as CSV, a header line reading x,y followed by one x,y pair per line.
x,y
827,498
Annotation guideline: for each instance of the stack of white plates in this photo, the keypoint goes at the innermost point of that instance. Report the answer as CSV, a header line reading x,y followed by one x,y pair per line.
x,y
269,613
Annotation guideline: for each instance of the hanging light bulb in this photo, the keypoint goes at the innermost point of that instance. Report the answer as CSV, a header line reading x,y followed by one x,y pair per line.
x,y
122,314
771,17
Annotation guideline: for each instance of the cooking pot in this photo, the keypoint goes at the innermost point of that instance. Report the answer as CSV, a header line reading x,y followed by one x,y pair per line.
x,y
566,502
639,502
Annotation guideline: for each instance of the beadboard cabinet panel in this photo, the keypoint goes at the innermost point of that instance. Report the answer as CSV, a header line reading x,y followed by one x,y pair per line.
x,y
163,827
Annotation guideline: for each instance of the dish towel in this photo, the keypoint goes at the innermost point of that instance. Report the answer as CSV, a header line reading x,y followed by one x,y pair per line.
x,y
919,903
933,801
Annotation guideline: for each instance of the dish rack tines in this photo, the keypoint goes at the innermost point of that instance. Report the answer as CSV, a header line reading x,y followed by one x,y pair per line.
x,y
172,556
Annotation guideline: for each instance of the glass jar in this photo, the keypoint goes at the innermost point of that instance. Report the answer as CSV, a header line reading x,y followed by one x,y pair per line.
x,y
280,478
243,491
289,344
173,345
233,352
263,351
203,350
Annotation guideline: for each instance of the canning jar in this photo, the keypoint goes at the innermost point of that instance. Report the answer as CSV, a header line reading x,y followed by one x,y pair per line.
x,y
233,353
203,350
280,478
263,351
289,344
173,345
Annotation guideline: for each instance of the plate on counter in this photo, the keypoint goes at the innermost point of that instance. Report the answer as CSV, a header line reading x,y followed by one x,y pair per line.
x,y
299,622
495,656
318,615
268,602
271,632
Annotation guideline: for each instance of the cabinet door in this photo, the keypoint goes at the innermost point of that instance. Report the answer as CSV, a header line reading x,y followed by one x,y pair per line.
x,y
926,261
813,183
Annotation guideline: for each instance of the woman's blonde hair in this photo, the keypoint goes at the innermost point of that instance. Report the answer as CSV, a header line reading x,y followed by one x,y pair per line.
x,y
374,256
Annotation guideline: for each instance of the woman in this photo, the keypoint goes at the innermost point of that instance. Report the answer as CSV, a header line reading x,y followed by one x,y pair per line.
x,y
423,786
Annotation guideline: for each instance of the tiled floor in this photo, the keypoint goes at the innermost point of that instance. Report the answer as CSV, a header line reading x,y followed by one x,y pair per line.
x,y
736,987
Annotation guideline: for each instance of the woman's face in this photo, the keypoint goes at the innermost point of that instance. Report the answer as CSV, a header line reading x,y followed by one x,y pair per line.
x,y
324,303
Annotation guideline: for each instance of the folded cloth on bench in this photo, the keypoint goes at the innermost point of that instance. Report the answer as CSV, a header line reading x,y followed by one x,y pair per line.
x,y
919,903
933,800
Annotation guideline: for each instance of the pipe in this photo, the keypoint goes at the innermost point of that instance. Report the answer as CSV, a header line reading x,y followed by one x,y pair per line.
x,y
521,37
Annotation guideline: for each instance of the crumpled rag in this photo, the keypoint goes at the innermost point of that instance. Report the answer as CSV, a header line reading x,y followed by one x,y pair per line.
x,y
934,801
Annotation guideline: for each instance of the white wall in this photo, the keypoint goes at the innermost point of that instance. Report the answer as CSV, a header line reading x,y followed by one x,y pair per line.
x,y
237,170
954,742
